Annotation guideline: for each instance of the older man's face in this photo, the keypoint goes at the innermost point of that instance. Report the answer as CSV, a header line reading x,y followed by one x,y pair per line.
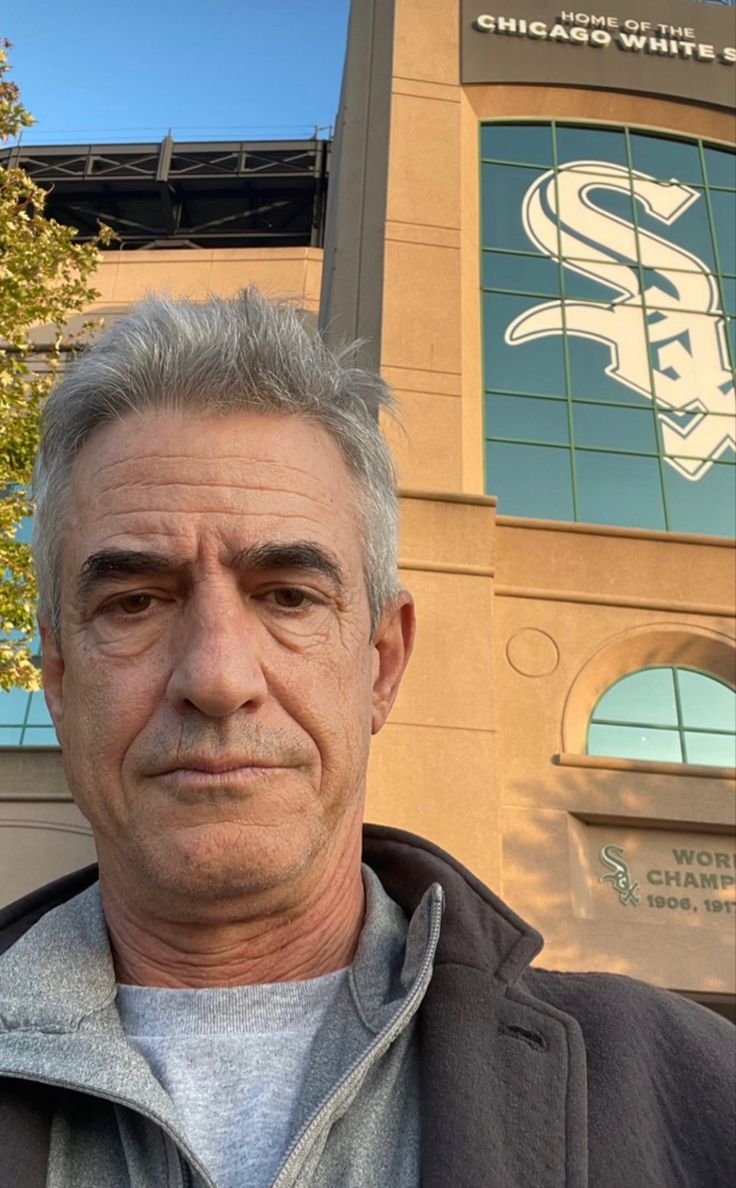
x,y
218,683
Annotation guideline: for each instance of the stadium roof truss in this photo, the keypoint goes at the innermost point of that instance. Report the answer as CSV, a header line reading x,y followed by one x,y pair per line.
x,y
193,194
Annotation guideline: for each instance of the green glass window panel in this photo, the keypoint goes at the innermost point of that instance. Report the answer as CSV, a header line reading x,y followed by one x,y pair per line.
x,y
720,165
590,144
530,144
689,234
635,742
705,702
723,204
530,480
504,189
714,750
706,505
619,489
681,421
616,203
660,290
533,366
680,289
615,428
10,736
523,274
523,367
668,160
728,294
526,419
693,448
613,220
731,338
647,695
38,714
13,704
40,736
588,362
581,287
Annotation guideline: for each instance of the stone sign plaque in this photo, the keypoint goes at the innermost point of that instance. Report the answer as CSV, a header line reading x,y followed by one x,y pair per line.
x,y
654,876
659,47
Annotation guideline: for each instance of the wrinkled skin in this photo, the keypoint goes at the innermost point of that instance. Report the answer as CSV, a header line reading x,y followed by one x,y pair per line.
x,y
262,665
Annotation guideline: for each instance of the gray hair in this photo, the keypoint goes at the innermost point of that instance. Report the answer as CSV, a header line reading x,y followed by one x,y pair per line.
x,y
225,356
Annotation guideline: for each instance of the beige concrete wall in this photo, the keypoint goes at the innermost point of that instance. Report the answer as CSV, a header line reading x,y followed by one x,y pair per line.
x,y
432,766
125,277
42,834
484,753
423,347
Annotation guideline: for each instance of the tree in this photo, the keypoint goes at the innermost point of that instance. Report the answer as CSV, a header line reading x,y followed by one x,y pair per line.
x,y
44,279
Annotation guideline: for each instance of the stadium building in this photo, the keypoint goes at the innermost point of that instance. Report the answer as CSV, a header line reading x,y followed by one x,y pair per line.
x,y
529,215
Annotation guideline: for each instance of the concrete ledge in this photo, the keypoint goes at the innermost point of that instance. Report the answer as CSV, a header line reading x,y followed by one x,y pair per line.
x,y
653,767
32,773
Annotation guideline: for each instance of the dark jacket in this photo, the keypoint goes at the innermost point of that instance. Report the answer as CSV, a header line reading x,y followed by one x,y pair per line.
x,y
529,1078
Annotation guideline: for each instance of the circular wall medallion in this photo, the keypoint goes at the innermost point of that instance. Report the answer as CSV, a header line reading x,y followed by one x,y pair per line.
x,y
532,652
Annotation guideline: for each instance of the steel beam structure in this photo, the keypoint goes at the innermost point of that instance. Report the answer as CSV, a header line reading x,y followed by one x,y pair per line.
x,y
188,194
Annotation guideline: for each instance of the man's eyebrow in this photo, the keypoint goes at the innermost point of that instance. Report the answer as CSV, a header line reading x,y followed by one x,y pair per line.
x,y
116,563
303,555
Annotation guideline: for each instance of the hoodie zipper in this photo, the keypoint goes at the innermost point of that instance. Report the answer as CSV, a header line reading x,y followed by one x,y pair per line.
x,y
186,1171
383,1040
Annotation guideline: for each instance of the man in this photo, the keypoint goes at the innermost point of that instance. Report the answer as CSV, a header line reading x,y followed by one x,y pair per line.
x,y
237,1001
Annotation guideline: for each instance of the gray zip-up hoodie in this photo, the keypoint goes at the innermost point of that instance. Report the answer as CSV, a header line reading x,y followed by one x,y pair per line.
x,y
356,1124
526,1078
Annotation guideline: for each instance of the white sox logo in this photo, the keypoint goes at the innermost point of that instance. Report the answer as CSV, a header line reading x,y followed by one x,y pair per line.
x,y
689,369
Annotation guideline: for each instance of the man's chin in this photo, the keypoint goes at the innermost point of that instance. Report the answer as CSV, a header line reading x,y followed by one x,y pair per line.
x,y
216,862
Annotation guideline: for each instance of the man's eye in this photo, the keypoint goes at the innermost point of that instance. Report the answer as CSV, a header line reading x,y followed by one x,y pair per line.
x,y
131,604
291,598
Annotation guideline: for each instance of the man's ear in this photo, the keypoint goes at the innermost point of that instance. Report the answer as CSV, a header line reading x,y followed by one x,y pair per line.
x,y
52,671
392,642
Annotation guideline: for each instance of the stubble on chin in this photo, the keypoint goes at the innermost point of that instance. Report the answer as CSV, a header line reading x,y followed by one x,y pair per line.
x,y
190,868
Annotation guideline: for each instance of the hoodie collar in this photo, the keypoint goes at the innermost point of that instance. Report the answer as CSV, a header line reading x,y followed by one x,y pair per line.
x,y
59,976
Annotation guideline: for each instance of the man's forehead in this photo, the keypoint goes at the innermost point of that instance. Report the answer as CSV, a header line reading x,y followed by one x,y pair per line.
x,y
245,476
155,440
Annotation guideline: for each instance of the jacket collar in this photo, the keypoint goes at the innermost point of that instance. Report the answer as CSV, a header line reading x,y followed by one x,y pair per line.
x,y
502,1074
478,929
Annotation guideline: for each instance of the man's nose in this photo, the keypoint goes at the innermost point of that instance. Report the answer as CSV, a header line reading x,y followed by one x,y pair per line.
x,y
217,668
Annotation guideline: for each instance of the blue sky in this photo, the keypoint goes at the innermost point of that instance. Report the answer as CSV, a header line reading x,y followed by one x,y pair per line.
x,y
228,69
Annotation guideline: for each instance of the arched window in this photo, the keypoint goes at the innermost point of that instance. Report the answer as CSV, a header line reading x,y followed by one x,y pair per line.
x,y
666,714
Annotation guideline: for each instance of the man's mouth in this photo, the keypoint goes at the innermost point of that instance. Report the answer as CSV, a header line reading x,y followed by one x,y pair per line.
x,y
222,765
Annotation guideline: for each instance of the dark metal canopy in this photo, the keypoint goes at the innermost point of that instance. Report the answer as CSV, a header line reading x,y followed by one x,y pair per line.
x,y
204,194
